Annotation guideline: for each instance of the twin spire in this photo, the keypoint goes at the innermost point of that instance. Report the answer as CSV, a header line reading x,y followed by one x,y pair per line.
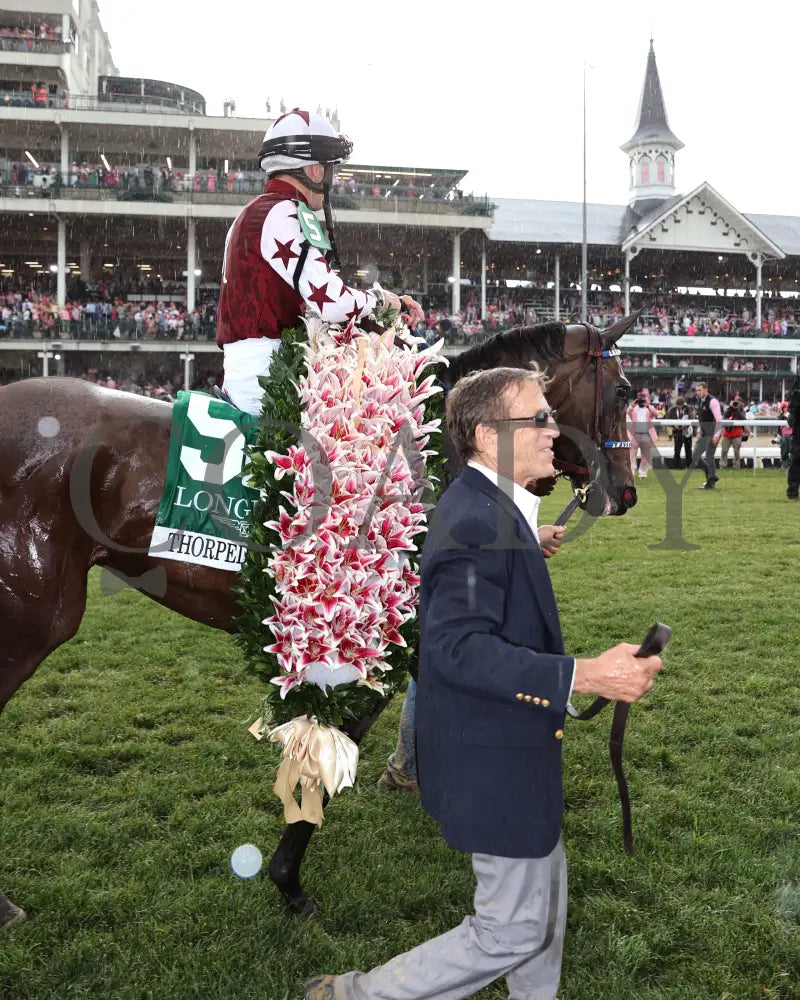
x,y
653,145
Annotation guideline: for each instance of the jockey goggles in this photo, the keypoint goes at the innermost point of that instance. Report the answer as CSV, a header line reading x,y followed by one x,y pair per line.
x,y
313,149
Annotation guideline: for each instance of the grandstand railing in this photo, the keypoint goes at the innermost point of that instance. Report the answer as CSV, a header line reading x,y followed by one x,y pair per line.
x,y
674,370
104,328
135,104
206,187
45,46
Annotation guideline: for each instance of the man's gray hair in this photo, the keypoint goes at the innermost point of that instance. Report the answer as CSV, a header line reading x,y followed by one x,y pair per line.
x,y
481,398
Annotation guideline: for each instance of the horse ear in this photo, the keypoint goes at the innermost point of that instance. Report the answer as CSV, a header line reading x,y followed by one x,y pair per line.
x,y
610,336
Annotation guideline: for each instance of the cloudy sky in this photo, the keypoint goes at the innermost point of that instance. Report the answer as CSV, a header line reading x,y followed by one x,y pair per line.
x,y
496,88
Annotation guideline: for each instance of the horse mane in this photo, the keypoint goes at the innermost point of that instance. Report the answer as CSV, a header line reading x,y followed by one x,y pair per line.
x,y
513,349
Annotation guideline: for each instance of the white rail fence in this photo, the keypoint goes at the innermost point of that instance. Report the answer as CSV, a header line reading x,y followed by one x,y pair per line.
x,y
758,446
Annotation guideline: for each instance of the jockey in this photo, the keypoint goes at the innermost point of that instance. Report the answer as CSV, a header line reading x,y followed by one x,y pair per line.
x,y
277,262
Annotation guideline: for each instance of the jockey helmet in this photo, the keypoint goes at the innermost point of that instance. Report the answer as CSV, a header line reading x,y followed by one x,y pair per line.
x,y
300,139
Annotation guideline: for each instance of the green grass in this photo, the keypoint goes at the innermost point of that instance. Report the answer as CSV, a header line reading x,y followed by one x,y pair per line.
x,y
127,777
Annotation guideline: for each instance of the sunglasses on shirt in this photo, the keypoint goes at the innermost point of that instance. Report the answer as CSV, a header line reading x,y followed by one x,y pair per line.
x,y
539,419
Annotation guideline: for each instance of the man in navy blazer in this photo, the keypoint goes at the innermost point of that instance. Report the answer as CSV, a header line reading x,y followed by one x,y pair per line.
x,y
494,683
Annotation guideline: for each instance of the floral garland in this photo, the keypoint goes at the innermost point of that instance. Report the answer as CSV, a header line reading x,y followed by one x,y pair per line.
x,y
346,498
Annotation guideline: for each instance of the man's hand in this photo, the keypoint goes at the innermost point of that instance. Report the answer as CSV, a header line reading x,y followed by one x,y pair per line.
x,y
616,674
551,538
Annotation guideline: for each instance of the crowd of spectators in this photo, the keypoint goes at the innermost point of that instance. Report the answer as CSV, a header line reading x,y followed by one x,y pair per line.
x,y
674,316
21,178
134,307
27,38
26,314
698,364
158,180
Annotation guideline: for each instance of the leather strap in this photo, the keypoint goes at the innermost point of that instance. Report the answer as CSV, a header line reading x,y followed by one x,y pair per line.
x,y
621,710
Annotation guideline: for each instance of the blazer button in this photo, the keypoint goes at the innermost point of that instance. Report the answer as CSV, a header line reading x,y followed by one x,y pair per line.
x,y
545,702
520,696
528,697
559,734
537,701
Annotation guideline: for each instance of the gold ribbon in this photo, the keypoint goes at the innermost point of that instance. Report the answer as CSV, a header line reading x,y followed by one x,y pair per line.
x,y
313,756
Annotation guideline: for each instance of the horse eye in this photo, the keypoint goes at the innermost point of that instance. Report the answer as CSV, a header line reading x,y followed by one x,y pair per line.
x,y
624,391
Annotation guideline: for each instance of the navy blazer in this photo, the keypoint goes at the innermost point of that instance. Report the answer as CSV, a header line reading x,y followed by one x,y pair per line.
x,y
493,680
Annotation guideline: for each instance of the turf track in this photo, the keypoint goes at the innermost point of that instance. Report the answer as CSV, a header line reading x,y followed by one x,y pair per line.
x,y
127,777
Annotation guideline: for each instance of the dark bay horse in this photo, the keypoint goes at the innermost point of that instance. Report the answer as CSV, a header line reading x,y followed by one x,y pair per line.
x,y
82,472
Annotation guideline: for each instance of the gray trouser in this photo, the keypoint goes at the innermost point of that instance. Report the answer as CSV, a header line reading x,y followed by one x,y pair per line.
x,y
703,455
517,931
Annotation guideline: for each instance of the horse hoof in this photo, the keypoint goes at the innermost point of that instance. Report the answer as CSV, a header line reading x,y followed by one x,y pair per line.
x,y
10,914
304,906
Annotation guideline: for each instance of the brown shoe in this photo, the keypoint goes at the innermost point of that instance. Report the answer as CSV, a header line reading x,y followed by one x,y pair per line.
x,y
319,988
391,782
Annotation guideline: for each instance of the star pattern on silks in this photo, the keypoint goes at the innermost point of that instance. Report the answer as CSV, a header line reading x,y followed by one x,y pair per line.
x,y
345,291
318,296
284,252
324,260
355,312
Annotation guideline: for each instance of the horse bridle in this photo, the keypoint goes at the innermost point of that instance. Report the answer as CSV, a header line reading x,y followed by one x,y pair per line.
x,y
598,353
594,353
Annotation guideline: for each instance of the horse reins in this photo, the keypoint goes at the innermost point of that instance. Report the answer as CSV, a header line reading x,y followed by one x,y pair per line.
x,y
597,353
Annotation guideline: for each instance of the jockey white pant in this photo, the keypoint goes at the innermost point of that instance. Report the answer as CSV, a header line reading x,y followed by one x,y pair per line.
x,y
244,362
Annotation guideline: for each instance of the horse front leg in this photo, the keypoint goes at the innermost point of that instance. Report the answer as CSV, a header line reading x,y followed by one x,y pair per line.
x,y
284,868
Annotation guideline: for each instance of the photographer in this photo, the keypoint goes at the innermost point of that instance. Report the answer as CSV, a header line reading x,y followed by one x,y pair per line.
x,y
732,436
793,419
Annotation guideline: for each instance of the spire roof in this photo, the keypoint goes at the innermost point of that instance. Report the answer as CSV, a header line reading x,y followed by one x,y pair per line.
x,y
651,122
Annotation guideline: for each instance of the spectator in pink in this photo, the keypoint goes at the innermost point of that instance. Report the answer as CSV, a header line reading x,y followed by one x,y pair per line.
x,y
642,432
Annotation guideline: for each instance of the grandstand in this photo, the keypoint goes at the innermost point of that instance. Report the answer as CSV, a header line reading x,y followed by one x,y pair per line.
x,y
116,194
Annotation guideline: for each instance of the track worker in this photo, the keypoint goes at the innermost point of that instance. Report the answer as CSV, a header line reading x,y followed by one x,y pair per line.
x,y
278,259
494,682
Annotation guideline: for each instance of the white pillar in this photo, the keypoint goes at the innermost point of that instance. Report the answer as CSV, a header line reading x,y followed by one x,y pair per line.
x,y
424,274
190,264
483,282
45,355
456,275
192,155
187,360
783,388
64,155
653,359
557,309
62,263
65,27
86,260
758,293
627,283
761,390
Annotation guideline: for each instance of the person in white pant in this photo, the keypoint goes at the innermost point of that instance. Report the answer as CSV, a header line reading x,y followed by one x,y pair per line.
x,y
279,262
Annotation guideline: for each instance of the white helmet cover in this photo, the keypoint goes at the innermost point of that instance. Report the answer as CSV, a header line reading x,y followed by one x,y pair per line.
x,y
299,139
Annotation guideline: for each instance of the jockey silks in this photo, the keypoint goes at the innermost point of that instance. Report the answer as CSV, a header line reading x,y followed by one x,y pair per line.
x,y
274,270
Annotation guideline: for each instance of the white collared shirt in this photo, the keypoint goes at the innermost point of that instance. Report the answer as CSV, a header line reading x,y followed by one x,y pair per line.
x,y
526,503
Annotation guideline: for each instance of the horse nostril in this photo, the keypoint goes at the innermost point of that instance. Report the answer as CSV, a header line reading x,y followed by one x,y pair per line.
x,y
629,497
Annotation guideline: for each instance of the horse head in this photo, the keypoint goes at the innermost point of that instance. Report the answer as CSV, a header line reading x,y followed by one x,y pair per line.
x,y
592,394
